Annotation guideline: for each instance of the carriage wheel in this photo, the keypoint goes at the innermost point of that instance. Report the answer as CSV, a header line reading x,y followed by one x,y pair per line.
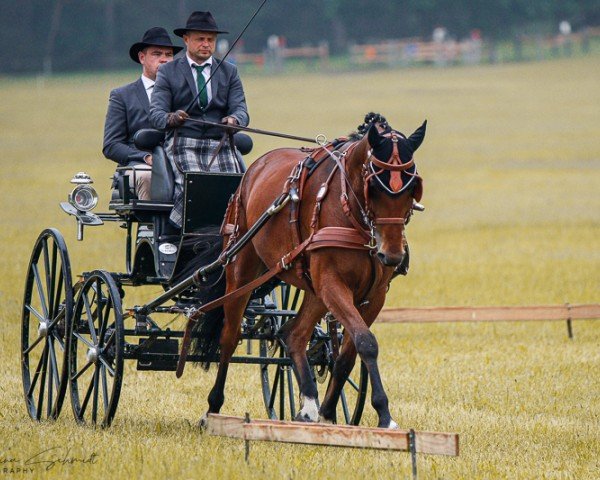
x,y
95,365
47,310
279,387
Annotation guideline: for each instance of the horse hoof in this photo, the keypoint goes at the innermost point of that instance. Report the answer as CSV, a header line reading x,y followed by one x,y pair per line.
x,y
203,423
303,417
393,425
326,421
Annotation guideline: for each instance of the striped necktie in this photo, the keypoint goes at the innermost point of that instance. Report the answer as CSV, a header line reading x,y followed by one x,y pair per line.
x,y
201,85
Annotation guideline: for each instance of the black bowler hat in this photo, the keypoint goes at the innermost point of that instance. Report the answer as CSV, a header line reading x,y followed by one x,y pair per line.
x,y
200,22
157,37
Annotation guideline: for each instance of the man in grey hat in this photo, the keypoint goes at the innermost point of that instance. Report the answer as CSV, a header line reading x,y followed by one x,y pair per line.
x,y
220,100
129,108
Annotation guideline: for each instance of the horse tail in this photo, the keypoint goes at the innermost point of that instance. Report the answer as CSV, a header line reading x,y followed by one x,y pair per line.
x,y
200,250
206,335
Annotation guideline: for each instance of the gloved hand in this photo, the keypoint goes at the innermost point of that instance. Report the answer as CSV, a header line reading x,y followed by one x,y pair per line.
x,y
229,121
177,119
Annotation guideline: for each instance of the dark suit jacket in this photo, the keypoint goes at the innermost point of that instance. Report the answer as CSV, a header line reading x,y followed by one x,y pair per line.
x,y
128,112
175,89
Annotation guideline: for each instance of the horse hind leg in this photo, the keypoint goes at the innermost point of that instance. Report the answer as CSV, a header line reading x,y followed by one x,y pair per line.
x,y
296,336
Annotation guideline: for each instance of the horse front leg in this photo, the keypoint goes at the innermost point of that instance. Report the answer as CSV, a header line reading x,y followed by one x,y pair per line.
x,y
296,336
340,301
345,362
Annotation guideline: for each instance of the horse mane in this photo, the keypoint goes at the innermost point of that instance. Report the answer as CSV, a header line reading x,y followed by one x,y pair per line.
x,y
370,119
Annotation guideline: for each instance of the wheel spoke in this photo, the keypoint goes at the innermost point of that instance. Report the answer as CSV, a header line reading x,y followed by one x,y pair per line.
x,y
33,345
60,341
104,387
99,307
104,323
90,318
352,383
347,417
83,340
52,280
36,313
274,389
281,393
38,369
49,291
38,282
282,369
53,363
95,399
82,371
110,340
50,377
285,296
57,294
86,399
42,383
288,371
107,365
295,300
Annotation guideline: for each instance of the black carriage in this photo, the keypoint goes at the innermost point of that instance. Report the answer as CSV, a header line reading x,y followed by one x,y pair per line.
x,y
76,335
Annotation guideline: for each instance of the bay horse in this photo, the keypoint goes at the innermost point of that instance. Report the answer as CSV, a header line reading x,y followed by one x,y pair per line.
x,y
351,217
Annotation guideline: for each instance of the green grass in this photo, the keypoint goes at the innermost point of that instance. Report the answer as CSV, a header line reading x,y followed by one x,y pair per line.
x,y
511,164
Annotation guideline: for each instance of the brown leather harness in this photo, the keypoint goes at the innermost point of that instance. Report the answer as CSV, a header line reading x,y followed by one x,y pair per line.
x,y
361,236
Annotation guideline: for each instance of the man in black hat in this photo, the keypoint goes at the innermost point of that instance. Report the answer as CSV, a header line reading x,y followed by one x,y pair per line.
x,y
220,100
129,108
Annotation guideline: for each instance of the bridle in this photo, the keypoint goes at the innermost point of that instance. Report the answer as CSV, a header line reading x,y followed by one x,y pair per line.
x,y
371,170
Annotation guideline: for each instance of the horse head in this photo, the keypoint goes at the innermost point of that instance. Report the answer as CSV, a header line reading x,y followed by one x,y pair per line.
x,y
391,185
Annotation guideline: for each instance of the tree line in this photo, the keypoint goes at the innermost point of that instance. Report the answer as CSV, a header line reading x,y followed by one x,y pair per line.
x,y
68,35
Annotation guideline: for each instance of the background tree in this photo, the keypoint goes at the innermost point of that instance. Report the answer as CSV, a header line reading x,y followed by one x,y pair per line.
x,y
68,35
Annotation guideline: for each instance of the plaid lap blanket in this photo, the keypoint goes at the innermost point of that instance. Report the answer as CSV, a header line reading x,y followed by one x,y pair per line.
x,y
194,155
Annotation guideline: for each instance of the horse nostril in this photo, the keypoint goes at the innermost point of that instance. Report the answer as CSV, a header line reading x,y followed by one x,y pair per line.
x,y
390,260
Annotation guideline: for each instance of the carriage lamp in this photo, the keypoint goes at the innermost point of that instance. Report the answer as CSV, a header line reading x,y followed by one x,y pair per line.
x,y
83,197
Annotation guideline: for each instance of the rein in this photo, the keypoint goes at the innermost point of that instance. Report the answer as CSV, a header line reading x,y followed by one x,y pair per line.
x,y
239,128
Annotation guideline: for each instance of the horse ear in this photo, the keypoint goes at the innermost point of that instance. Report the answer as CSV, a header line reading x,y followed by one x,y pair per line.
x,y
373,136
417,137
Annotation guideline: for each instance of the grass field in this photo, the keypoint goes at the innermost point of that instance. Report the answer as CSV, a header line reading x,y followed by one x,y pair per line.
x,y
511,164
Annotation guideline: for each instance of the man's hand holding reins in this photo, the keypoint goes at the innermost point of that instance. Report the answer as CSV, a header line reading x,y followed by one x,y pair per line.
x,y
177,119
229,121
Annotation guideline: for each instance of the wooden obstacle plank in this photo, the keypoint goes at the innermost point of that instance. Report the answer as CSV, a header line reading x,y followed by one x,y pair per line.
x,y
489,314
436,443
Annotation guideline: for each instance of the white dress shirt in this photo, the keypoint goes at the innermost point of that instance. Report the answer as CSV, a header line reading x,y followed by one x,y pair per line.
x,y
205,73
148,85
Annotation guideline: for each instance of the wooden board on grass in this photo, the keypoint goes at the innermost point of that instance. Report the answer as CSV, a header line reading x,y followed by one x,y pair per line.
x,y
489,314
436,443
